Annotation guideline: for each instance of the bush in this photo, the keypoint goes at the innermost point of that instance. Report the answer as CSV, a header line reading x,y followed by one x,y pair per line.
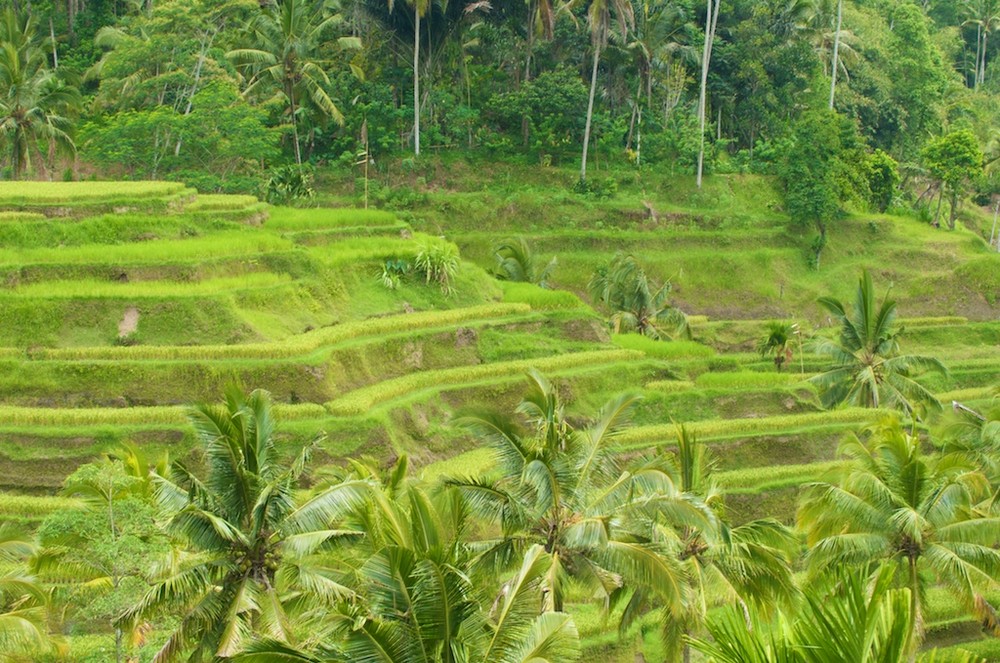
x,y
288,184
882,174
606,188
437,262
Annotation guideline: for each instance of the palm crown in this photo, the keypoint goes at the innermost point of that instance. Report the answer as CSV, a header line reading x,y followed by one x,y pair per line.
x,y
896,505
253,541
868,369
563,488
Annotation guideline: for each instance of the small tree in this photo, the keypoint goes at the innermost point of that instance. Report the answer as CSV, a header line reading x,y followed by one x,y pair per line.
x,y
517,262
778,343
100,552
953,160
819,171
868,368
635,301
882,173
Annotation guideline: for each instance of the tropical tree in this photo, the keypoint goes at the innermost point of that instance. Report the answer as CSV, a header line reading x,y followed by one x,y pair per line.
x,y
420,9
954,160
868,369
600,14
975,434
287,38
418,596
254,542
985,15
516,262
778,343
863,618
35,104
893,504
99,553
658,44
748,565
565,489
23,602
636,303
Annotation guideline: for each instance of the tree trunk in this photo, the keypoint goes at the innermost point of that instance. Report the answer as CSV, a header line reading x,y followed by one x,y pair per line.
x,y
416,84
982,68
590,113
295,126
979,51
836,52
711,18
996,216
953,214
937,214
55,51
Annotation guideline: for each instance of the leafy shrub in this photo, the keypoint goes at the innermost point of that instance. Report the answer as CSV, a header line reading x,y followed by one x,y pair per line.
x,y
288,184
393,271
882,173
437,262
516,262
606,188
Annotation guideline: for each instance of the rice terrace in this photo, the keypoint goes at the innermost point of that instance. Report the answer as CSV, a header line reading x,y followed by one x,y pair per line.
x,y
455,332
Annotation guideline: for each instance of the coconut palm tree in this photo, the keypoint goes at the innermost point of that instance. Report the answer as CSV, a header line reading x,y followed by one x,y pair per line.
x,y
635,302
418,597
657,43
977,435
778,343
564,488
868,369
23,603
748,565
34,103
253,540
516,262
893,504
600,16
420,9
287,38
985,15
865,617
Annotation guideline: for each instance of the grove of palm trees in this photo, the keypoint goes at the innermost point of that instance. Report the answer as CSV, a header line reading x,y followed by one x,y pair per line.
x,y
464,331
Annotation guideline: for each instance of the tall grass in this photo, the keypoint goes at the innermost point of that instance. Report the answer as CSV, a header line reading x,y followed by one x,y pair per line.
x,y
88,288
644,436
760,479
290,219
127,416
540,298
296,345
223,202
73,191
362,400
33,506
662,349
248,242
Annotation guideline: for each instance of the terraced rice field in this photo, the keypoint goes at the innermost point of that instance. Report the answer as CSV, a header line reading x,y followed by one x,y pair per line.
x,y
119,305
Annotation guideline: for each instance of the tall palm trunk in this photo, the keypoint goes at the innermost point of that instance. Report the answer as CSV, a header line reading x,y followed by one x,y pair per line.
x,y
295,125
982,68
711,19
979,52
836,52
590,113
416,83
